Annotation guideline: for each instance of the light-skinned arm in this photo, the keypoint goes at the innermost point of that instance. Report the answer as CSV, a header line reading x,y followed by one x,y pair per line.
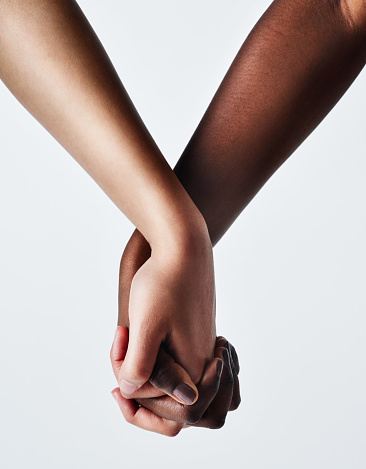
x,y
54,64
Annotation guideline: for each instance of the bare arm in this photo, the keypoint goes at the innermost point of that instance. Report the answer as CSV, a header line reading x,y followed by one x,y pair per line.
x,y
292,69
52,61
295,65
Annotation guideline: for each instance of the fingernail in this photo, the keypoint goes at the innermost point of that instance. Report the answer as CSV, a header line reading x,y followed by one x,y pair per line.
x,y
185,394
114,397
127,387
219,367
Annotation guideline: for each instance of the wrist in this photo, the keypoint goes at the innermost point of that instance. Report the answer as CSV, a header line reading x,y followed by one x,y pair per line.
x,y
184,238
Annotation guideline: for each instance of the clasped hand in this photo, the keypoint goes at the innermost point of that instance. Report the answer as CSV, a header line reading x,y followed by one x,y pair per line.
x,y
172,372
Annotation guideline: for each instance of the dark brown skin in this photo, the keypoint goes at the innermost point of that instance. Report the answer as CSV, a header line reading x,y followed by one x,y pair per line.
x,y
292,69
215,399
53,62
216,394
218,391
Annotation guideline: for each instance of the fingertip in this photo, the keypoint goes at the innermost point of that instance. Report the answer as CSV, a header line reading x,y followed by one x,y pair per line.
x,y
185,394
120,330
172,379
115,393
120,344
221,341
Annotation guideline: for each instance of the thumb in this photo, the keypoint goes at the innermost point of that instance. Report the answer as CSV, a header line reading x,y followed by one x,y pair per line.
x,y
172,379
137,367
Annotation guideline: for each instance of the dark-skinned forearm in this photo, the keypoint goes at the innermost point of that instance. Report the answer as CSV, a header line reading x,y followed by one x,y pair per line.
x,y
293,68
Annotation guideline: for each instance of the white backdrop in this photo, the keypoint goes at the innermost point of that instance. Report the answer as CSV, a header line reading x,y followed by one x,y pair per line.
x,y
290,272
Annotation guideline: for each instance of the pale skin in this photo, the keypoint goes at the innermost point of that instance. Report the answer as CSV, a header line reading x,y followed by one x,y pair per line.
x,y
103,132
293,68
218,391
52,61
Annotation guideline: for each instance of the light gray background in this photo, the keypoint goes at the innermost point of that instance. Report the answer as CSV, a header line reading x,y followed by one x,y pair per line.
x,y
290,273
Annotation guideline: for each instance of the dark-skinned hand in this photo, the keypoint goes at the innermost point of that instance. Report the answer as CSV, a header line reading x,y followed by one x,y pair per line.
x,y
170,400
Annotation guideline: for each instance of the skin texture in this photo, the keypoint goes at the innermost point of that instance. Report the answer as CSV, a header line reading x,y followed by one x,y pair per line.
x,y
292,69
216,397
218,391
52,61
302,55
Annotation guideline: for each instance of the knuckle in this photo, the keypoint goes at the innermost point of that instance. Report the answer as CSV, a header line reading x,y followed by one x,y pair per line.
x,y
193,415
227,379
129,418
217,423
161,378
221,342
174,431
234,358
136,373
235,403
